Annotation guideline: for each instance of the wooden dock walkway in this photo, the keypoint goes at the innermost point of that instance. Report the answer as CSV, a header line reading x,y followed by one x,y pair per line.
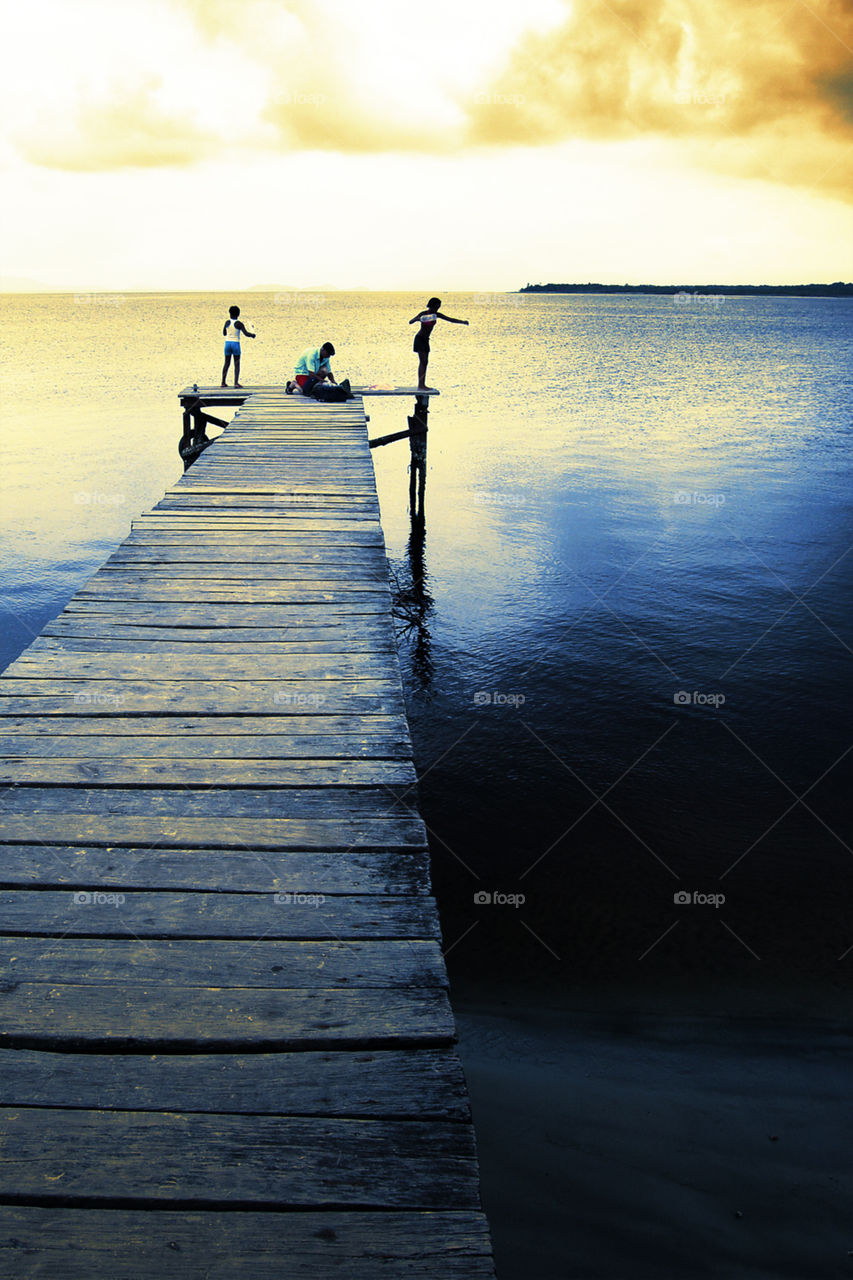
x,y
226,1045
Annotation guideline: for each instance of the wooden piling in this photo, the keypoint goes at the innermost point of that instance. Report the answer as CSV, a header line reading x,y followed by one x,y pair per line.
x,y
418,427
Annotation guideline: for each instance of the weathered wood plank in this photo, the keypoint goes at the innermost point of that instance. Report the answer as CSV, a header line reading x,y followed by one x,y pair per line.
x,y
142,587
220,395
302,750
233,470
198,1159
280,524
374,802
121,639
200,697
226,833
269,577
148,1018
386,963
221,614
219,534
352,630
304,555
129,568
241,456
315,465
144,771
308,463
245,871
287,626
241,500
418,1084
60,665
312,498
382,727
353,499
305,509
307,466
166,914
80,1244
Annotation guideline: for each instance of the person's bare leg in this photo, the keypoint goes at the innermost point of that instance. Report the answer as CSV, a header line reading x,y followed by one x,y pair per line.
x,y
225,368
422,368
237,382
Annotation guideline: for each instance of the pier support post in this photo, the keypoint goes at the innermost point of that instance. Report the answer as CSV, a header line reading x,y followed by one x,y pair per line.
x,y
194,439
418,450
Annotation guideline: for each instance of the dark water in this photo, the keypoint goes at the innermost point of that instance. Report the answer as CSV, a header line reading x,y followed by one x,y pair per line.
x,y
628,499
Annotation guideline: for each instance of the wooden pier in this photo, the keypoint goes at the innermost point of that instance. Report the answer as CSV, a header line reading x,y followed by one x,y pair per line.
x,y
226,1045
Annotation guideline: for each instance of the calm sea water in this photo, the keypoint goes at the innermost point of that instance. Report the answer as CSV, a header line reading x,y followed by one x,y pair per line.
x,y
624,629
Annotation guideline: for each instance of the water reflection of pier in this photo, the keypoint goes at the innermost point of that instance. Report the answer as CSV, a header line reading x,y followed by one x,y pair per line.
x,y
412,602
413,606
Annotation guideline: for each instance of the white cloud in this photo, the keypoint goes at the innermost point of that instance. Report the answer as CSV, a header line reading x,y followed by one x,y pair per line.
x,y
201,75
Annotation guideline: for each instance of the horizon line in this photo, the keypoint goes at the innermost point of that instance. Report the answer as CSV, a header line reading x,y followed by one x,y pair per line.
x,y
314,289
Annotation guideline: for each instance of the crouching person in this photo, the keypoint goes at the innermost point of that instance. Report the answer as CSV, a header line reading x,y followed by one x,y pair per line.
x,y
314,377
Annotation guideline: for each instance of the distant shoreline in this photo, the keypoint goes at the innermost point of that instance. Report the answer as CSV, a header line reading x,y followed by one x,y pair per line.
x,y
839,289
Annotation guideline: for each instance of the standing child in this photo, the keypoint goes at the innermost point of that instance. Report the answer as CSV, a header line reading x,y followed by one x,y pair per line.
x,y
420,345
231,331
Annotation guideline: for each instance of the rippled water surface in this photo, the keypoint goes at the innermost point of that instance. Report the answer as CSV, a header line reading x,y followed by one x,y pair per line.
x,y
628,500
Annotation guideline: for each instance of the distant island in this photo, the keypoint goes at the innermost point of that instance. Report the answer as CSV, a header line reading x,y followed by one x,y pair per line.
x,y
837,290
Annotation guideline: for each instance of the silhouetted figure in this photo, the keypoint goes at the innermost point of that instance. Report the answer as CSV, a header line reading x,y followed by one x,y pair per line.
x,y
232,331
428,318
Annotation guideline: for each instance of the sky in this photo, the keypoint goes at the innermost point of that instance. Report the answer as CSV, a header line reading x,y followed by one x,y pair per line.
x,y
454,145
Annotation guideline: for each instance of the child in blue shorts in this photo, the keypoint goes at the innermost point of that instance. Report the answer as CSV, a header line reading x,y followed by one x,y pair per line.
x,y
231,331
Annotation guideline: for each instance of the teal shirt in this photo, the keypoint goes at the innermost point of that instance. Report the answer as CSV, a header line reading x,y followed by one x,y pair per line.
x,y
310,362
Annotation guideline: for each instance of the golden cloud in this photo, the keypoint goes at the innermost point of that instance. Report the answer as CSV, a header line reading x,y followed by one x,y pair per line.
x,y
125,129
326,117
762,90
